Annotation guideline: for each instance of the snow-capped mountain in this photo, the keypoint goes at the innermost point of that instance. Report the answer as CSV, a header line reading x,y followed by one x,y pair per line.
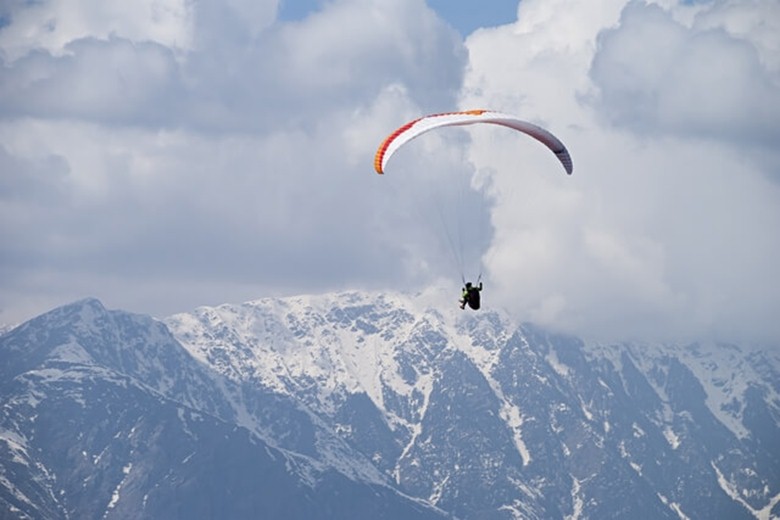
x,y
105,415
356,405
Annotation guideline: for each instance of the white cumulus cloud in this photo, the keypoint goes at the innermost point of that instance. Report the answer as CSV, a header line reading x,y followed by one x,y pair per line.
x,y
667,228
168,154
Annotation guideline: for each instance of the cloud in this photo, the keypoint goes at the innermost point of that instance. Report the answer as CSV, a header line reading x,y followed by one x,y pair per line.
x,y
242,72
50,25
195,153
242,162
666,228
113,82
338,58
654,74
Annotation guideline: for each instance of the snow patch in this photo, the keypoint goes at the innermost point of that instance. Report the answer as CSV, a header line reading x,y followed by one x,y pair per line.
x,y
416,429
764,513
585,411
438,489
17,444
514,419
115,495
71,353
674,506
513,509
16,492
576,501
552,359
671,437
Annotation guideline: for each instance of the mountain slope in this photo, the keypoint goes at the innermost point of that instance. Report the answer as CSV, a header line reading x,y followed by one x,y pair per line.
x,y
484,417
105,415
376,405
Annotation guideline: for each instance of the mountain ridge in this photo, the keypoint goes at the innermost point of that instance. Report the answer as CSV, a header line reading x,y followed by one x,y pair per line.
x,y
104,374
437,410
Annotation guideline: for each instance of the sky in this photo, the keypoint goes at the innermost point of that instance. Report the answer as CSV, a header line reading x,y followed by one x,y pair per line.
x,y
170,154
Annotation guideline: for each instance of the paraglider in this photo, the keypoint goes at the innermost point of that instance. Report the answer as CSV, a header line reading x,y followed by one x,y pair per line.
x,y
470,293
415,128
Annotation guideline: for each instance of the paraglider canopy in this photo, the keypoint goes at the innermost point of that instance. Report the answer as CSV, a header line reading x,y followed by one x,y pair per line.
x,y
412,129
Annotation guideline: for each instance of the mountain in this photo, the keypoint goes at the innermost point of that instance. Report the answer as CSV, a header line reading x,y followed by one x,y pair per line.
x,y
355,405
106,415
